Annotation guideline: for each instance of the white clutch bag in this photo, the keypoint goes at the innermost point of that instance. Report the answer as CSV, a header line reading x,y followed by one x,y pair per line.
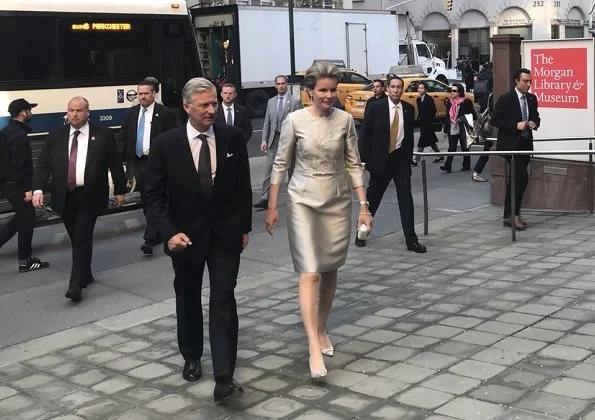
x,y
363,232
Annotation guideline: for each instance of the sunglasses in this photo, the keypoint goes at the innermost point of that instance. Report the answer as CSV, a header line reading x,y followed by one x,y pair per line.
x,y
454,90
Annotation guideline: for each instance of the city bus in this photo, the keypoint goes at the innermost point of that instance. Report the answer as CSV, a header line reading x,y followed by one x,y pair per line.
x,y
100,49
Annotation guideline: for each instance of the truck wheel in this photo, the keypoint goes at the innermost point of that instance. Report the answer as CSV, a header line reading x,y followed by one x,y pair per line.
x,y
442,78
256,102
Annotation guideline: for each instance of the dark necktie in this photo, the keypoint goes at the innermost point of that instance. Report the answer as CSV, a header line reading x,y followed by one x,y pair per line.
x,y
71,183
229,117
524,113
204,165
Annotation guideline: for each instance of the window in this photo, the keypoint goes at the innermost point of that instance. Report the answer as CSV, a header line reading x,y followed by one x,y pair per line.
x,y
423,51
555,32
26,54
434,86
104,48
412,86
356,78
574,32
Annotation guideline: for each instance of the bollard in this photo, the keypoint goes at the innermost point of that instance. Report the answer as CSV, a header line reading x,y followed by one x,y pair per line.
x,y
424,182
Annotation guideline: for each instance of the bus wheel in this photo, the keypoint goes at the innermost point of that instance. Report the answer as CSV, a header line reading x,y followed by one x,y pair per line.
x,y
256,102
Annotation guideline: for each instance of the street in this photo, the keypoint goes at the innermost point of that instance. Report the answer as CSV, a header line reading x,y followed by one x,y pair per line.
x,y
477,328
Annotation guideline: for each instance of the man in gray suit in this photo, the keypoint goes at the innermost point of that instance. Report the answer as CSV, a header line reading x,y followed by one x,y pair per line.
x,y
277,109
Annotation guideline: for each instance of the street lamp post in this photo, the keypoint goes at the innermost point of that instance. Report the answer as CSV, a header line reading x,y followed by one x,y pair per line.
x,y
291,43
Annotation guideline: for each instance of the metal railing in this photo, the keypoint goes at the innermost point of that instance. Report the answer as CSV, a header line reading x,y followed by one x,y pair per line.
x,y
512,155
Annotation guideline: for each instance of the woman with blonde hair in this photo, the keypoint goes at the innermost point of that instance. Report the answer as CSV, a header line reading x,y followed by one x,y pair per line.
x,y
327,166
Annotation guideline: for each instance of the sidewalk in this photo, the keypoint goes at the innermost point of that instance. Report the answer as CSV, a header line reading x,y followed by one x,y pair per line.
x,y
477,328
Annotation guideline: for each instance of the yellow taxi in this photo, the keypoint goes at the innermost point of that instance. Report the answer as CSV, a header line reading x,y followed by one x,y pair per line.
x,y
355,103
349,81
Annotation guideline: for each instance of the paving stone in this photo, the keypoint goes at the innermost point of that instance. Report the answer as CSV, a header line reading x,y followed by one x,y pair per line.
x,y
113,385
309,393
393,312
392,412
270,384
540,334
132,346
424,398
150,371
521,345
476,369
497,394
344,378
553,405
40,412
579,340
275,408
432,360
6,391
461,322
373,321
102,357
516,414
564,352
366,366
125,363
352,402
454,384
140,395
381,336
478,337
110,340
272,362
89,378
66,369
416,341
379,387
356,347
467,408
138,414
457,348
349,330
499,356
101,410
536,309
584,371
15,403
76,399
570,387
392,353
316,415
407,373
45,361
32,381
52,390
170,404
289,319
497,327
439,331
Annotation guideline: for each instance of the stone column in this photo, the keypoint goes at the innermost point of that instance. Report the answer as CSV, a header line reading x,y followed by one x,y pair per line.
x,y
454,45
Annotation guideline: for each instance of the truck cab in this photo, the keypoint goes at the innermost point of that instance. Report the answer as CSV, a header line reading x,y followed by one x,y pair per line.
x,y
421,55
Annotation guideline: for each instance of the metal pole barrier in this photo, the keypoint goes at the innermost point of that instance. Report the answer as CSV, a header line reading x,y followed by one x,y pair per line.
x,y
512,198
424,182
590,177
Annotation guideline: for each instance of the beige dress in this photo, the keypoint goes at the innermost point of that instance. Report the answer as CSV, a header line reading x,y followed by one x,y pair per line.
x,y
327,167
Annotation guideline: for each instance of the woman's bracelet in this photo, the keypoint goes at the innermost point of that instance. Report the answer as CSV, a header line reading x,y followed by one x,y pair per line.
x,y
367,213
362,202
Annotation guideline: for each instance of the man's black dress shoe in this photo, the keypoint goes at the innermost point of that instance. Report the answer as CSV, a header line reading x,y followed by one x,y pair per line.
x,y
227,390
445,169
90,280
192,370
74,293
262,204
413,163
417,247
359,242
147,248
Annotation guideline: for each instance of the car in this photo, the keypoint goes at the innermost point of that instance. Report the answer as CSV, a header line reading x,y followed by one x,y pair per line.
x,y
356,100
349,80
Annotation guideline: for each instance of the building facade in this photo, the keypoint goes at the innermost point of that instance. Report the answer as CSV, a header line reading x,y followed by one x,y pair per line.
x,y
466,29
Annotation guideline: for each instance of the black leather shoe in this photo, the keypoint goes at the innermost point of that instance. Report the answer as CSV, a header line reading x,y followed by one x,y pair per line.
x,y
262,204
192,370
147,248
74,293
438,159
90,280
414,163
445,169
228,390
360,242
465,169
417,247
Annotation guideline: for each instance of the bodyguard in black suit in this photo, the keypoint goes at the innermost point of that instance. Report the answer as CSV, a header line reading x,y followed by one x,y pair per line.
x,y
233,114
387,150
516,116
142,123
78,156
199,197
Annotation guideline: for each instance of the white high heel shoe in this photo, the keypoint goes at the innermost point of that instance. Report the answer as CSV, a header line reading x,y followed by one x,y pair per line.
x,y
328,351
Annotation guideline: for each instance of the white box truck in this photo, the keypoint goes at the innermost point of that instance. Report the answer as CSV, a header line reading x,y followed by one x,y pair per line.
x,y
249,45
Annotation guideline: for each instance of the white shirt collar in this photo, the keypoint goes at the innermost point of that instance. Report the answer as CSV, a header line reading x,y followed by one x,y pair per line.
x,y
392,105
84,130
225,107
193,132
281,96
518,93
150,108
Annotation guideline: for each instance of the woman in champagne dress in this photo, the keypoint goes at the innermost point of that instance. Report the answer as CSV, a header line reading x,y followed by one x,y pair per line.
x,y
323,142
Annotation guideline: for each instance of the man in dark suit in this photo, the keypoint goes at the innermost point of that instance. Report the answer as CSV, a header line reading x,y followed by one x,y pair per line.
x,y
233,114
516,116
378,90
387,150
78,156
199,197
142,123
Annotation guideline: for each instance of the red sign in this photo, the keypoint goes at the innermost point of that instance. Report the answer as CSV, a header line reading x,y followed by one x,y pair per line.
x,y
560,77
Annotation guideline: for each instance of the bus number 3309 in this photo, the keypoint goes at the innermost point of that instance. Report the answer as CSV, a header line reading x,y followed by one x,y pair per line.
x,y
105,118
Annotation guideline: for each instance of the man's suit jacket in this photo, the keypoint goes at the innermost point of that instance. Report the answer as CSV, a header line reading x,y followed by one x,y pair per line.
x,y
375,135
102,155
163,119
290,104
241,119
176,201
507,113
